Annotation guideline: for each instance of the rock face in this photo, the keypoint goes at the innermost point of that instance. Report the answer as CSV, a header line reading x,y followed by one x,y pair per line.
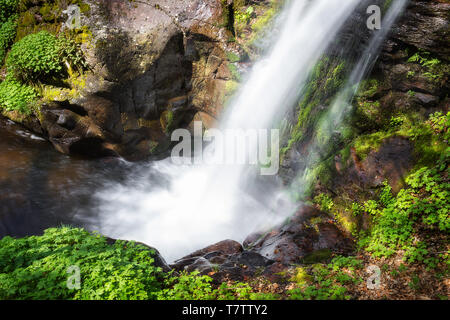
x,y
309,232
154,66
425,25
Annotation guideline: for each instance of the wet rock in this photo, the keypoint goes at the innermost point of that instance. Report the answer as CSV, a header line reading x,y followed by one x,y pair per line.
x,y
426,100
252,259
226,247
307,231
224,261
201,264
425,25
74,133
221,249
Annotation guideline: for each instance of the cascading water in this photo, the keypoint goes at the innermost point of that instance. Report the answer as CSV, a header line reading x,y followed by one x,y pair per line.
x,y
193,206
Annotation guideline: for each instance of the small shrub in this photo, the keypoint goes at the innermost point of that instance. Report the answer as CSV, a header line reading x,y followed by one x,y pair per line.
x,y
7,9
36,267
35,56
7,35
16,96
42,54
324,202
187,287
327,282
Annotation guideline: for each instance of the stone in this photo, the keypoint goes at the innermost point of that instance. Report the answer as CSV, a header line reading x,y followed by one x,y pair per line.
x,y
309,230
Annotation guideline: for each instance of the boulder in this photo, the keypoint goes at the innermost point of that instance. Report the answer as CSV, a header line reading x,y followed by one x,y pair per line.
x,y
307,232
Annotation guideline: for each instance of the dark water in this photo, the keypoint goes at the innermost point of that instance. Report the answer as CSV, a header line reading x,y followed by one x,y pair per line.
x,y
41,188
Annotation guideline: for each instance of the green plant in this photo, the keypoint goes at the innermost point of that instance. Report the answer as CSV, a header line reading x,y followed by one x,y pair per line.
x,y
327,282
35,56
440,124
244,16
411,93
425,201
324,202
37,267
16,96
7,35
415,282
356,209
187,287
410,74
430,64
7,9
395,122
42,54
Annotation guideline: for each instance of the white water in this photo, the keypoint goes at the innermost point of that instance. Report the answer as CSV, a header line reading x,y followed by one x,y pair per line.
x,y
200,205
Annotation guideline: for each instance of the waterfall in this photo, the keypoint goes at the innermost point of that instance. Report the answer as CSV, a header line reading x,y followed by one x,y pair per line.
x,y
181,208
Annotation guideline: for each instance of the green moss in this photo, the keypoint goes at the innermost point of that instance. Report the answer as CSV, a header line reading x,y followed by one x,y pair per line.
x,y
301,276
235,74
262,22
364,144
233,57
368,88
427,146
317,256
325,80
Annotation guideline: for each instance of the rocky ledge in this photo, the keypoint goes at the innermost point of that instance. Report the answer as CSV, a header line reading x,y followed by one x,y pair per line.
x,y
310,236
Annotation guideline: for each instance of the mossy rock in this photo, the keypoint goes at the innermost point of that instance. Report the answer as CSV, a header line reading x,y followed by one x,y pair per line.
x,y
317,257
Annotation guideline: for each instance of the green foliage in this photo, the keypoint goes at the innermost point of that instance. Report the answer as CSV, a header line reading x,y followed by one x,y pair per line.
x,y
235,74
327,282
36,267
42,54
241,291
7,9
187,287
431,65
396,122
368,88
357,209
35,56
325,202
440,124
428,145
7,35
426,201
243,17
16,96
192,286
233,57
